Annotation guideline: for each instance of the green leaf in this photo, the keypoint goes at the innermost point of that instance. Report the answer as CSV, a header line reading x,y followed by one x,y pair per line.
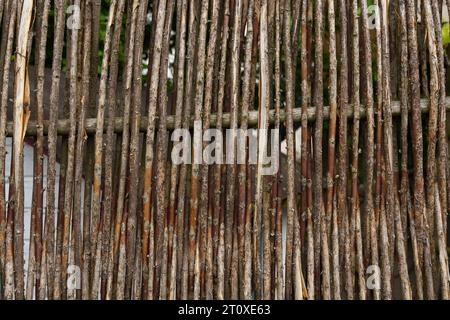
x,y
446,34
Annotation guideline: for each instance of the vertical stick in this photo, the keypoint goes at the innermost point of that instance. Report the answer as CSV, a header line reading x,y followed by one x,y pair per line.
x,y
290,145
405,201
123,288
220,225
231,150
52,140
432,140
305,89
153,99
39,150
81,135
320,237
190,77
98,219
161,191
174,174
342,148
108,240
262,134
384,143
441,152
5,254
195,232
68,199
10,285
98,153
204,205
278,239
416,132
355,214
332,131
21,116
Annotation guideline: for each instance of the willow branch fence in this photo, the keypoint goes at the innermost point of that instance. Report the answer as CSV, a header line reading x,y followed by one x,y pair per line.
x,y
357,90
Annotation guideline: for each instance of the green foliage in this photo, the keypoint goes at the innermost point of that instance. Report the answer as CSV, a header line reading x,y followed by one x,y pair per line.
x,y
102,34
369,4
446,34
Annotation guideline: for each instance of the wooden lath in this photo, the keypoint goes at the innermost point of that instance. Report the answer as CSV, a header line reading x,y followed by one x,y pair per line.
x,y
62,125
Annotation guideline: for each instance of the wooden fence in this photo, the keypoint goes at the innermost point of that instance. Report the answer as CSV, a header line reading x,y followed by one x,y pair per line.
x,y
356,89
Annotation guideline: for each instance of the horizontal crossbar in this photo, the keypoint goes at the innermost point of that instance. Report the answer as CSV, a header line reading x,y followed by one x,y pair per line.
x,y
63,125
